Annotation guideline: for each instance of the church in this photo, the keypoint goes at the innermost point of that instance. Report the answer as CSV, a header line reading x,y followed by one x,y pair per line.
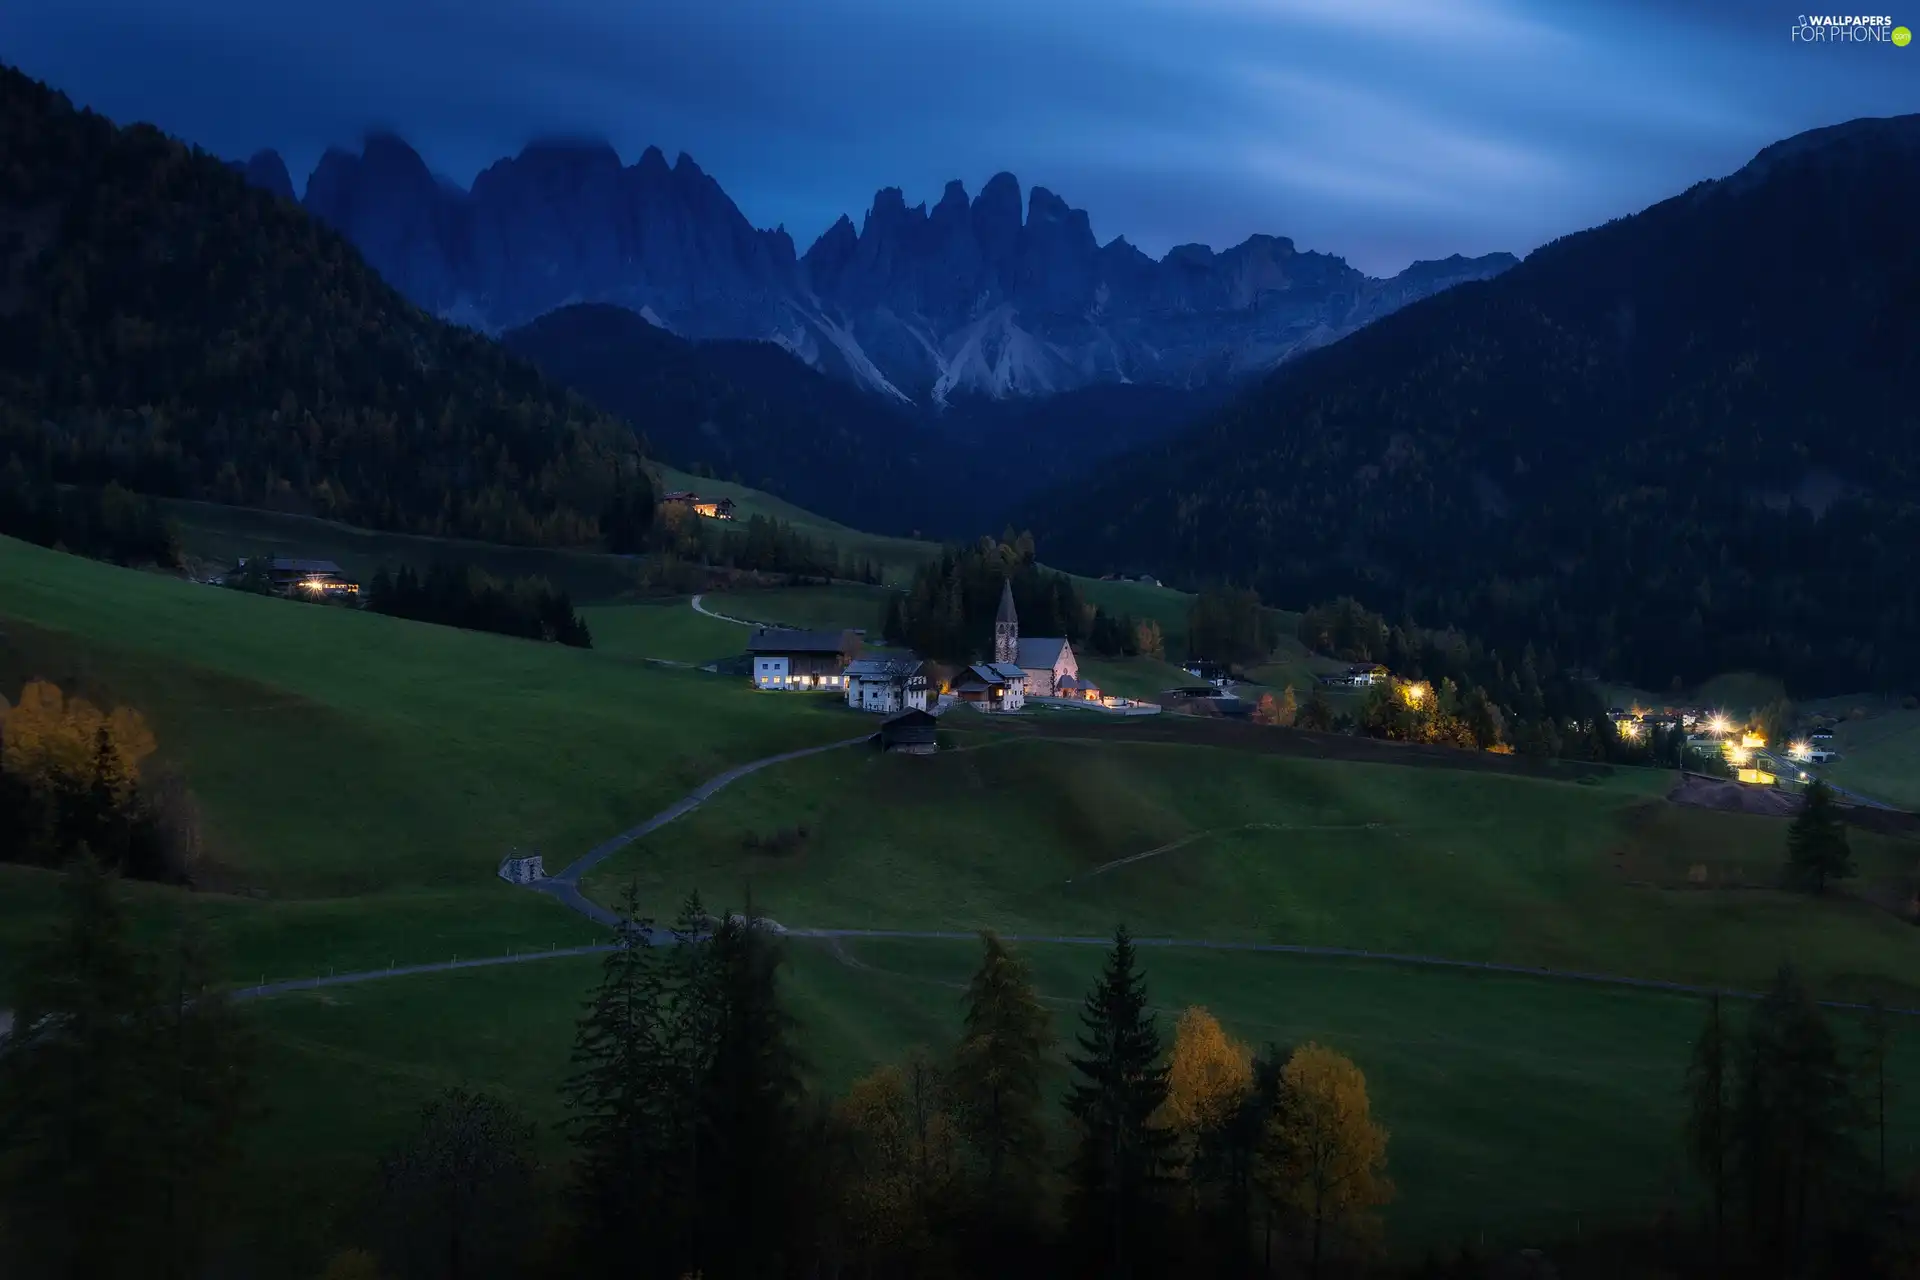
x,y
1051,669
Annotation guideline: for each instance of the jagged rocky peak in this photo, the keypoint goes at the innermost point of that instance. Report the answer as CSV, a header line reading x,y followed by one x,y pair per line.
x,y
1003,293
267,171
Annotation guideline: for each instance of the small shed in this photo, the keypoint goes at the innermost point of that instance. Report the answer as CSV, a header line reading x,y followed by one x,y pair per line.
x,y
518,868
912,733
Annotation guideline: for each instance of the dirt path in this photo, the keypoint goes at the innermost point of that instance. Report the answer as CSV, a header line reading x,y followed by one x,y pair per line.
x,y
701,608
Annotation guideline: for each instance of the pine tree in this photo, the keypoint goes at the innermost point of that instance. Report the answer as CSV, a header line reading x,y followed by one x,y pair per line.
x,y
755,1162
997,1074
1793,1118
1119,1167
1707,1120
1817,849
618,1089
82,1184
1873,1076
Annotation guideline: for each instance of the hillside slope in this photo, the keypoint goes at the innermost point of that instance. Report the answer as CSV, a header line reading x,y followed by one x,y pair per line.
x,y
167,325
1680,443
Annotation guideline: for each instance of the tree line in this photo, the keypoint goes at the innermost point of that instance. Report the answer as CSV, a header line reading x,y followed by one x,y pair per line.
x,y
694,1141
77,779
947,612
469,597
102,523
184,335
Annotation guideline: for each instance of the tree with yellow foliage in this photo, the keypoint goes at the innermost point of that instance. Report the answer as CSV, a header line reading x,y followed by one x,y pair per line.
x,y
1208,1074
1327,1157
51,739
352,1264
899,1159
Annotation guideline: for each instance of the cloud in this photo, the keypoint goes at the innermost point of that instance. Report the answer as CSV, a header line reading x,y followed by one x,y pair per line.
x,y
1380,130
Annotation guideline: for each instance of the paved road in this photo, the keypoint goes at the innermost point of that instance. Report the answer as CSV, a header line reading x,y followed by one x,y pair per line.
x,y
1787,767
565,884
701,608
831,936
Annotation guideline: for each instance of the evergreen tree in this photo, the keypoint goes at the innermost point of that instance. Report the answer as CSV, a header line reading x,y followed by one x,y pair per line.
x,y
1817,849
753,1187
1873,1078
997,1075
616,1092
1707,1118
1122,1154
1793,1120
121,1092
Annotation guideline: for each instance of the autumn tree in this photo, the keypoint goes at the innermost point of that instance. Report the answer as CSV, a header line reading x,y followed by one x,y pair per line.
x,y
1208,1073
455,1193
1122,1152
1317,714
1328,1157
898,1161
1817,849
1149,640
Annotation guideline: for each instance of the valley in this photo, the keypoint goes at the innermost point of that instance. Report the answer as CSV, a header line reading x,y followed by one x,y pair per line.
x,y
416,595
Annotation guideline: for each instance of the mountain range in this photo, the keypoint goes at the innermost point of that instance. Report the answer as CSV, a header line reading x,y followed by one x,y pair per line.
x,y
1682,443
973,297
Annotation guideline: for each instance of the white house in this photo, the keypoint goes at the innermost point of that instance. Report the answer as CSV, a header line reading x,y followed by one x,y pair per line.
x,y
800,660
886,685
1045,660
992,686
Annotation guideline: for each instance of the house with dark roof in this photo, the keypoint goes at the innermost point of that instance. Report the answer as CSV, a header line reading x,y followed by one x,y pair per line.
x,y
886,685
1045,659
293,576
992,686
789,659
913,733
711,508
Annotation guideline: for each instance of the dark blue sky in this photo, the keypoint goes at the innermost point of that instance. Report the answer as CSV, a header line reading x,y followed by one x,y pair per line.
x,y
1382,131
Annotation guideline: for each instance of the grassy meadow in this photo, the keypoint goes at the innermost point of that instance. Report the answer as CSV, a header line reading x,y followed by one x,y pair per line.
x,y
1061,836
361,776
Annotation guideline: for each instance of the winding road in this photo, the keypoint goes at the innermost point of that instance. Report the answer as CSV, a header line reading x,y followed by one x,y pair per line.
x,y
564,886
723,617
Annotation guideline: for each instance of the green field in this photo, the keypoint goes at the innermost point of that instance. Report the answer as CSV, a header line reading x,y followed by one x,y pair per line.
x,y
1880,756
361,776
213,537
895,557
1467,1070
1013,835
664,630
842,605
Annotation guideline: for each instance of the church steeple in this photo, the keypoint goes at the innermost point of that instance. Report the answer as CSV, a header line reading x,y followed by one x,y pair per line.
x,y
1006,626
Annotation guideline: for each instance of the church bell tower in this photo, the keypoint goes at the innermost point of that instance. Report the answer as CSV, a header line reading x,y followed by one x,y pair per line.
x,y
1006,627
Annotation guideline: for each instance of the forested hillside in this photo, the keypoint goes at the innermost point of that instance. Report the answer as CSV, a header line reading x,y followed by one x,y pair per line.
x,y
166,326
747,411
1681,443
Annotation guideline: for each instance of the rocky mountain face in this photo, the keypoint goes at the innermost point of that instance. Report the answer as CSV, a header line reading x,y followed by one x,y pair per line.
x,y
973,297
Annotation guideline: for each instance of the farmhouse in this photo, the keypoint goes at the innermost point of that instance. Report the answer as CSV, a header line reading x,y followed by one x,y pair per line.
x,y
995,686
711,508
886,685
1357,676
291,576
1046,660
911,733
1212,672
794,660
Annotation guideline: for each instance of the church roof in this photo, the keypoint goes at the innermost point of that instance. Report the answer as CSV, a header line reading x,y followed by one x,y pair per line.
x,y
1006,613
1040,651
